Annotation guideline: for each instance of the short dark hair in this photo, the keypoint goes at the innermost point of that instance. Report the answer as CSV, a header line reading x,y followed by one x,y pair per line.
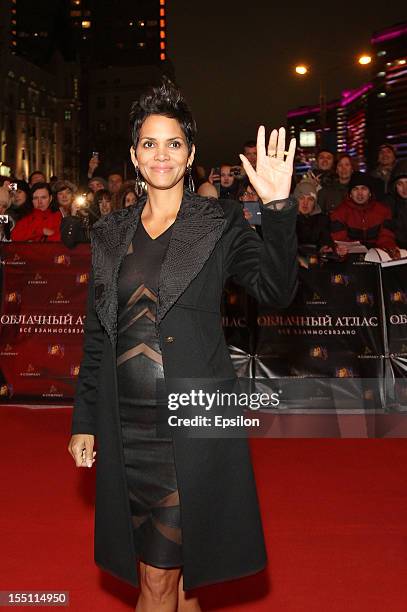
x,y
352,160
39,185
53,204
325,151
94,208
100,194
124,193
249,144
35,172
165,100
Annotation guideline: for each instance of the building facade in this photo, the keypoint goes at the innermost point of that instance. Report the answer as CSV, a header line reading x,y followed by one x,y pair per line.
x,y
71,69
366,117
39,107
121,47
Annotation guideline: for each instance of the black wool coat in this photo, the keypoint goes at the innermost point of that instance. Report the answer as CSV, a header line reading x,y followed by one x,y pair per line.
x,y
222,536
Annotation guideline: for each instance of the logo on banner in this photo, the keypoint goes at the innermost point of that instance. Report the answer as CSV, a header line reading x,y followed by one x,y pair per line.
x,y
367,353
6,390
53,392
56,350
8,351
62,260
30,371
343,372
365,299
13,298
316,299
318,352
16,260
398,297
38,280
83,278
340,279
75,369
59,299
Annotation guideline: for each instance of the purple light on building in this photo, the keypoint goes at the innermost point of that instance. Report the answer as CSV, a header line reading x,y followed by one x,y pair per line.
x,y
349,95
389,34
304,110
308,110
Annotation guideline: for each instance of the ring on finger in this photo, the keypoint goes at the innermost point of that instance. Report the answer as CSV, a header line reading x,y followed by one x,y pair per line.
x,y
275,154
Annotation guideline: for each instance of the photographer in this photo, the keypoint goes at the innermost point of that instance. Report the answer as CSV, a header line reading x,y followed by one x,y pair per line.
x,y
75,228
6,221
226,181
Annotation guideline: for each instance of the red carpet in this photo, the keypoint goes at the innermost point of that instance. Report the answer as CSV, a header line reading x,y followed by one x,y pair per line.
x,y
334,511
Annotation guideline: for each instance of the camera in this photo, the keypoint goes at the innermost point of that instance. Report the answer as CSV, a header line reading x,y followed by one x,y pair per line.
x,y
13,186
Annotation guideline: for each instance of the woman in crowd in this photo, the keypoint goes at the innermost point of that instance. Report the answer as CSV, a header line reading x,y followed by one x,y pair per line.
x,y
331,196
42,224
248,197
64,192
21,203
127,197
75,228
102,205
184,507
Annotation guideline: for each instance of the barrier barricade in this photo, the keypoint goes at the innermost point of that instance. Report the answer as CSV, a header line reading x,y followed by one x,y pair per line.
x,y
348,322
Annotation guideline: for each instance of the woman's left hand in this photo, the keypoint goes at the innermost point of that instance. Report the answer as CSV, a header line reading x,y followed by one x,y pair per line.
x,y
272,176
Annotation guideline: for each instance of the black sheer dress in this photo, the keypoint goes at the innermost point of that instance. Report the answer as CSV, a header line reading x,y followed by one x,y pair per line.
x,y
149,458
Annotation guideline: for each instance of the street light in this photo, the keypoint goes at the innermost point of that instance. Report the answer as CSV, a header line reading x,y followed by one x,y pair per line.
x,y
301,69
364,59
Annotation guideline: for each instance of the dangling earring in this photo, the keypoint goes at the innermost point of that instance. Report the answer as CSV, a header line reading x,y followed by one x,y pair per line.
x,y
191,184
139,185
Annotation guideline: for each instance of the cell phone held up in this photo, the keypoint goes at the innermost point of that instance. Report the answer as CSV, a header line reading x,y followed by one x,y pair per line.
x,y
216,175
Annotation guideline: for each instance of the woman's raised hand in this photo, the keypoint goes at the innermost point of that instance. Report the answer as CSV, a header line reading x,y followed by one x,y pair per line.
x,y
272,176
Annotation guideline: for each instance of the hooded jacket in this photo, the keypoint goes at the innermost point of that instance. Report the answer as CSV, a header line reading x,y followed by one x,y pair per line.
x,y
371,224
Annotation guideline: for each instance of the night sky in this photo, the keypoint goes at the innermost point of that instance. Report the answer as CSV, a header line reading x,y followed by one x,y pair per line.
x,y
234,62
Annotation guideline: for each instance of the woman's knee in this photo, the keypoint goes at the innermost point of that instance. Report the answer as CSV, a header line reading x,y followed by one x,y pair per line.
x,y
159,584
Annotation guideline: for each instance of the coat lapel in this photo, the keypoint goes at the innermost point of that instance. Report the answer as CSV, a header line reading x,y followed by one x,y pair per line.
x,y
111,238
198,226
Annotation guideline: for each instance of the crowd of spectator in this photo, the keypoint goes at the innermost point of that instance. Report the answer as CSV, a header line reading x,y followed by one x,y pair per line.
x,y
338,206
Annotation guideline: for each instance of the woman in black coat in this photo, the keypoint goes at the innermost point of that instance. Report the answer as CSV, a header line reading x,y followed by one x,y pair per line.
x,y
171,253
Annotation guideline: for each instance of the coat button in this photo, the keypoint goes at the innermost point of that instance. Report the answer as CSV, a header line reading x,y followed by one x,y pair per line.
x,y
169,338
